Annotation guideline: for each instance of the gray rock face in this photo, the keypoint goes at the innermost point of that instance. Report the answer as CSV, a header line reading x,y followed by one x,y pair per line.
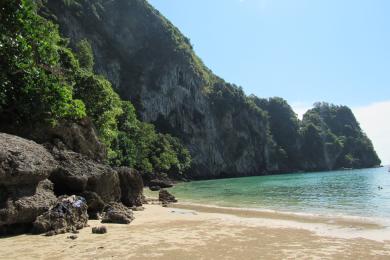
x,y
131,186
23,204
23,162
27,197
25,193
77,173
80,137
68,215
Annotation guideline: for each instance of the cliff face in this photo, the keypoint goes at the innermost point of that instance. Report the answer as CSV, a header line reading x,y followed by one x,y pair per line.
x,y
150,63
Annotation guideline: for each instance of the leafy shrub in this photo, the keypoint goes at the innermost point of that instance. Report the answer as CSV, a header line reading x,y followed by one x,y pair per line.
x,y
32,87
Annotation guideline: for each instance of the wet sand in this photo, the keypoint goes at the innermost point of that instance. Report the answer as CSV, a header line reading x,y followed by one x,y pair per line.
x,y
202,232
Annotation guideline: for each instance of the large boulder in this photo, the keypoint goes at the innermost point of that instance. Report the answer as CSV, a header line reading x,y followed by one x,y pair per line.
x,y
131,186
77,173
117,213
23,162
21,205
25,192
68,215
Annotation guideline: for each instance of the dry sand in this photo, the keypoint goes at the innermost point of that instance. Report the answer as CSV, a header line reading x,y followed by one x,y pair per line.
x,y
200,232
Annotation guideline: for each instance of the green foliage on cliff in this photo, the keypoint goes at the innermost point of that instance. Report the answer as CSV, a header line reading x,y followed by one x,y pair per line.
x,y
102,104
328,137
332,134
284,126
139,146
85,54
33,87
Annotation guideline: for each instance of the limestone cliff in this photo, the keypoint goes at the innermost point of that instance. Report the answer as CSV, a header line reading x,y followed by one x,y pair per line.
x,y
150,63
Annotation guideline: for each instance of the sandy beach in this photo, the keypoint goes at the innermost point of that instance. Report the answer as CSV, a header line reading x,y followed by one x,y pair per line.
x,y
186,231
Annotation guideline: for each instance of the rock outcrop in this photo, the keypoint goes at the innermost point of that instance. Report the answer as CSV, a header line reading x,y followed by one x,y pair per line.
x,y
131,186
31,177
77,173
117,213
23,162
24,191
68,215
80,137
23,204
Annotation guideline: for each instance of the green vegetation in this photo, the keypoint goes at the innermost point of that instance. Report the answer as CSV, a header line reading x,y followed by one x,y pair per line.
x,y
43,80
328,137
332,134
284,126
102,104
32,83
85,54
139,146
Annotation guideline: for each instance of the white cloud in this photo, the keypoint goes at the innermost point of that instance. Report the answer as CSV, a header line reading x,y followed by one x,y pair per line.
x,y
375,121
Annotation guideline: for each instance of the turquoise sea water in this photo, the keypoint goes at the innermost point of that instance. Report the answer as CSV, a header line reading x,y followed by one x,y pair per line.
x,y
350,193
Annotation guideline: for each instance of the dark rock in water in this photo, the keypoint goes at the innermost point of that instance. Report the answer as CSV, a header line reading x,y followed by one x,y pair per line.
x,y
95,204
23,162
154,188
99,230
165,197
77,173
117,213
161,183
131,186
25,203
69,214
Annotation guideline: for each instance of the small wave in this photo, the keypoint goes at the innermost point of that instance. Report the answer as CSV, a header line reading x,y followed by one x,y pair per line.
x,y
327,218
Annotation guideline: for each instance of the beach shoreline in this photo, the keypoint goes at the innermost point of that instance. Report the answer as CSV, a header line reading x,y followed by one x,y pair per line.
x,y
185,231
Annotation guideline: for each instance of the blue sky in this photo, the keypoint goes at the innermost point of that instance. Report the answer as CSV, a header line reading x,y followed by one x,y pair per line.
x,y
302,50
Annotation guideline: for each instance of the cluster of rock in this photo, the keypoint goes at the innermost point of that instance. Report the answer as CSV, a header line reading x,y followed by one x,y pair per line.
x,y
55,190
68,215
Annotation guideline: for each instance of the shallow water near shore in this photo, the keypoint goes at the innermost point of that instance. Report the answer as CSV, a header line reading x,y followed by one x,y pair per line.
x,y
360,193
